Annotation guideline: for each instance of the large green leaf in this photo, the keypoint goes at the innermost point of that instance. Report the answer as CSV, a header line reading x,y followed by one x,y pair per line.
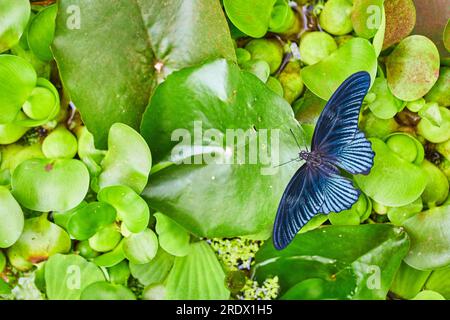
x,y
430,239
324,78
216,199
110,55
336,262
14,15
197,276
392,181
66,276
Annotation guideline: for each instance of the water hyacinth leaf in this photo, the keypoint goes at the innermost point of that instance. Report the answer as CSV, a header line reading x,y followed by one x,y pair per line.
x,y
378,39
14,15
228,98
367,17
11,132
41,184
251,17
154,271
61,218
17,80
120,273
39,240
392,181
430,239
142,247
60,143
41,32
197,276
385,105
66,276
440,92
42,105
400,20
154,292
103,290
173,238
12,219
398,215
106,239
89,219
409,281
152,39
130,207
335,17
128,160
433,133
2,261
428,295
14,154
112,258
348,262
416,57
439,281
406,146
325,77
436,191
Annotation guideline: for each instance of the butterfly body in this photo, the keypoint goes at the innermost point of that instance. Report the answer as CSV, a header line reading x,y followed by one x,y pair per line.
x,y
317,186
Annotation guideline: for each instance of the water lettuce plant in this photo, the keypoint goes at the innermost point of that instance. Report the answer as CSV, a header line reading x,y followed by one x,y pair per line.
x,y
145,145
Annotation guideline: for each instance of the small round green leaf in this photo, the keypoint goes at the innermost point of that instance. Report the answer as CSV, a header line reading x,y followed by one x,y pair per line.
x,y
417,58
128,160
50,185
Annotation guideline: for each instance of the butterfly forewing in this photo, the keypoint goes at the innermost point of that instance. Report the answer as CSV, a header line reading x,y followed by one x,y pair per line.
x,y
337,136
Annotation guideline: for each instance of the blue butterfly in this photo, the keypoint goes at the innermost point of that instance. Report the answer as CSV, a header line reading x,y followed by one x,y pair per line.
x,y
318,187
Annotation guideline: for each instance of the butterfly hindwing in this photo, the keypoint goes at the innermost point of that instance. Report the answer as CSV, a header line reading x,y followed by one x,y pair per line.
x,y
337,136
310,191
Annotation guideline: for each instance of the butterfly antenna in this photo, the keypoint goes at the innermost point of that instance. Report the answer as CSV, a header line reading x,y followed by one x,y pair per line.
x,y
292,160
303,138
295,138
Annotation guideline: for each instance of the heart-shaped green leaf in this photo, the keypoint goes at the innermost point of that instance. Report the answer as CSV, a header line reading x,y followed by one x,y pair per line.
x,y
336,262
252,17
130,207
89,219
430,239
152,38
392,180
197,276
128,160
416,57
103,290
14,15
39,240
155,271
41,184
12,219
211,99
66,276
173,238
324,78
